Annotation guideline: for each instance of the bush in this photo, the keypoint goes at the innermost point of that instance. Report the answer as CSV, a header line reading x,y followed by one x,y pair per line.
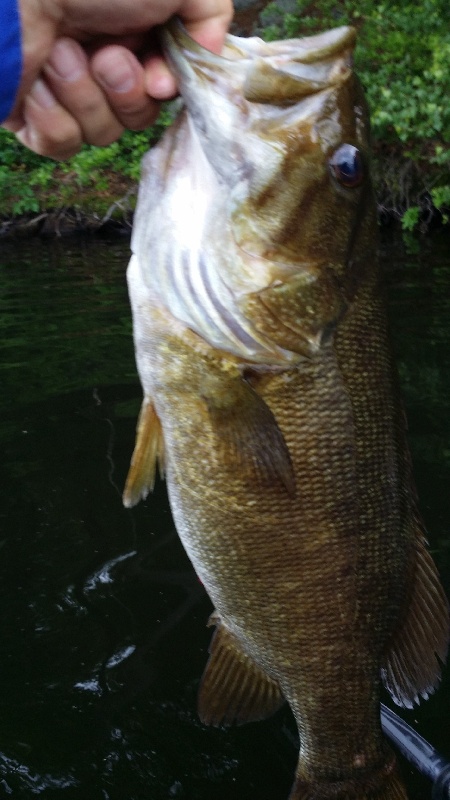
x,y
94,178
403,59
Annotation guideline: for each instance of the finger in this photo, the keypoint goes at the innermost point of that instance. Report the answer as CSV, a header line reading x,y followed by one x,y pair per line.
x,y
15,121
207,21
48,128
88,16
122,79
68,76
159,81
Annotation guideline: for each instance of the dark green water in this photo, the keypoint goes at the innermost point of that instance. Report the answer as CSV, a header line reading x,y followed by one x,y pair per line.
x,y
102,624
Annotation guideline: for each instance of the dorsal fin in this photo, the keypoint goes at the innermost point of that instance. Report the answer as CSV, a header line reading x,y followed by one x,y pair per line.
x,y
148,453
234,688
412,666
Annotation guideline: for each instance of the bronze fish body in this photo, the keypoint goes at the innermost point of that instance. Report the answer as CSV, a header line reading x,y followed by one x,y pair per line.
x,y
271,404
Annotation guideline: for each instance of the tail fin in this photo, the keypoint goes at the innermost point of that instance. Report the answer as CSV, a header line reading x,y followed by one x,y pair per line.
x,y
384,784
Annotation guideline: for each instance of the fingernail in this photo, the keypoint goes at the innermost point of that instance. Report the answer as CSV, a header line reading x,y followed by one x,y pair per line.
x,y
41,95
68,60
116,74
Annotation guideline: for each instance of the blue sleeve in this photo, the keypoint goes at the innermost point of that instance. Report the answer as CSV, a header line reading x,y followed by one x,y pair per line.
x,y
10,55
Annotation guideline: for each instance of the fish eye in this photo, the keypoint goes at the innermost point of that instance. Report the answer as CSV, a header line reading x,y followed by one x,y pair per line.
x,y
346,166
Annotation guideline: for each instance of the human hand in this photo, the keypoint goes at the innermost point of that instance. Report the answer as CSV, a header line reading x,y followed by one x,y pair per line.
x,y
75,88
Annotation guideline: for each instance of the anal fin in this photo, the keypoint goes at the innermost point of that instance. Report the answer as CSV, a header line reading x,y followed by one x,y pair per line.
x,y
412,666
148,453
234,688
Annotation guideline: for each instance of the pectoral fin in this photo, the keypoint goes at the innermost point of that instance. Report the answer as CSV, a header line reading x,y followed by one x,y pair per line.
x,y
233,687
247,431
148,452
412,665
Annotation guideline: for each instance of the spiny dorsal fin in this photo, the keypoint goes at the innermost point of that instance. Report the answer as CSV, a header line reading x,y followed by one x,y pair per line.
x,y
148,452
248,432
233,687
412,666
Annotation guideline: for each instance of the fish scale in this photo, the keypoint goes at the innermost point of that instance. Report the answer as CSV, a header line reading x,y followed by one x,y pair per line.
x,y
286,461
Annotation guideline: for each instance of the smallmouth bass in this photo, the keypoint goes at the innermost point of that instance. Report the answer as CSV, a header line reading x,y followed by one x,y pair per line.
x,y
270,403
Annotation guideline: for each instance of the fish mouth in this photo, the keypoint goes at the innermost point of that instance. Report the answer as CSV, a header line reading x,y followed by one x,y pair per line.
x,y
279,73
253,117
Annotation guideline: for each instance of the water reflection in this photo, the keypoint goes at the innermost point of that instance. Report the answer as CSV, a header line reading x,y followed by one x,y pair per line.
x,y
103,626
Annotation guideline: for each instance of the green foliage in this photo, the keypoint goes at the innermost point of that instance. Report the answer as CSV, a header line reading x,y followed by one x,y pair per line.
x,y
441,200
403,59
21,178
410,218
95,177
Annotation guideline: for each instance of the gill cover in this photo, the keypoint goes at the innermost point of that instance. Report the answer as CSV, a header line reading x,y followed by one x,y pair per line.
x,y
219,227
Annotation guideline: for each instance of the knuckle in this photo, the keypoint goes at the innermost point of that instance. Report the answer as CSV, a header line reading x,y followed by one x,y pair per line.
x,y
102,138
59,142
137,119
140,123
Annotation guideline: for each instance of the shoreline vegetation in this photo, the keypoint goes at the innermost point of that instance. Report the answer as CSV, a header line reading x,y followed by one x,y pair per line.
x,y
403,60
